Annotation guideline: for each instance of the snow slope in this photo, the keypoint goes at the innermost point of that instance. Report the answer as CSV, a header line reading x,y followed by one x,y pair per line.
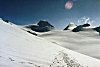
x,y
85,42
21,49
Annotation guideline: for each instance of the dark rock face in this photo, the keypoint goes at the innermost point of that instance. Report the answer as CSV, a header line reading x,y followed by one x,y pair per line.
x,y
80,27
97,29
7,21
42,26
66,28
32,33
41,29
44,23
86,25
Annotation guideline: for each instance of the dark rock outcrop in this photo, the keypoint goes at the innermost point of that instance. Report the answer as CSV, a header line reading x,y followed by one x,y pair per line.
x,y
6,20
32,33
80,27
86,25
97,29
44,23
42,26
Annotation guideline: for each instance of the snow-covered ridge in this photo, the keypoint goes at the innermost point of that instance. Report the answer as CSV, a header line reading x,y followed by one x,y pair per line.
x,y
7,22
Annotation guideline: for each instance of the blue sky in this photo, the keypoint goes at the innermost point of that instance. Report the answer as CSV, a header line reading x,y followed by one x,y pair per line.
x,y
31,11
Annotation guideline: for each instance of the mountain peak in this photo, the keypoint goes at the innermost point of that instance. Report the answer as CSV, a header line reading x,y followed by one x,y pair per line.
x,y
70,26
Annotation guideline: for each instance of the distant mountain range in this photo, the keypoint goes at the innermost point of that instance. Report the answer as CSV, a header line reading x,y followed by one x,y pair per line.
x,y
42,26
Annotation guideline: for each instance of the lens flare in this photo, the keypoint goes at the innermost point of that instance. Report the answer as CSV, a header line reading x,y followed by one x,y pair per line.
x,y
69,4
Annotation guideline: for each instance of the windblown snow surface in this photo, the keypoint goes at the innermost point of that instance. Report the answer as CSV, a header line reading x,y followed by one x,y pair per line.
x,y
19,48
